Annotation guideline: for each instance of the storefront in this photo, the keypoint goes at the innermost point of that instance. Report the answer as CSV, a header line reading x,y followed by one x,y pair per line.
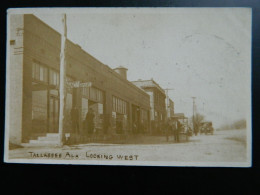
x,y
145,121
45,100
120,115
93,98
117,103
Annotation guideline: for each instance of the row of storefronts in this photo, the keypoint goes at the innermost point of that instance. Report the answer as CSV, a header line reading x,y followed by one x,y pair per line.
x,y
119,105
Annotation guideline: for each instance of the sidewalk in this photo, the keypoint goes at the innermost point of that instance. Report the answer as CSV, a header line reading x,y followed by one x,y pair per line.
x,y
113,139
131,139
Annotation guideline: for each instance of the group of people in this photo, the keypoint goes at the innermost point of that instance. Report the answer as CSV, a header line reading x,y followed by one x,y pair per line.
x,y
173,127
88,123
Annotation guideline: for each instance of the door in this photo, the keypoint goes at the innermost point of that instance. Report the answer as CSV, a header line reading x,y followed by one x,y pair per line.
x,y
53,115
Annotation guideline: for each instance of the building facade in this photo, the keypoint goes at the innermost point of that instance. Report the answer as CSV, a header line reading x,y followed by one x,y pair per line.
x,y
34,61
170,109
157,103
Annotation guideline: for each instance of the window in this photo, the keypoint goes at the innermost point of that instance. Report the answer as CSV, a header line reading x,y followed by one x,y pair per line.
x,y
119,105
54,78
39,72
85,92
114,103
93,94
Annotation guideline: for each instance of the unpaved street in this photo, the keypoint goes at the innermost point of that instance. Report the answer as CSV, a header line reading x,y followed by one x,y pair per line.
x,y
223,146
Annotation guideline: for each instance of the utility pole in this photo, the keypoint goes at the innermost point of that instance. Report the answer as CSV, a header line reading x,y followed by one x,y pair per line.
x,y
193,113
167,100
62,90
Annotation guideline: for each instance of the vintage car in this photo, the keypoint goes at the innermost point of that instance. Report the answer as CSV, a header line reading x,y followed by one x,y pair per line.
x,y
207,128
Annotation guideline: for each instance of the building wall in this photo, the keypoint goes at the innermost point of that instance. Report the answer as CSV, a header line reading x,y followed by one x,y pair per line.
x,y
14,85
157,103
42,44
171,108
150,93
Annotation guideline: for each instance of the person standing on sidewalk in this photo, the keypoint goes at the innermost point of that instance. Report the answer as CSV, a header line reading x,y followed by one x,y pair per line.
x,y
179,127
75,119
90,121
176,130
168,129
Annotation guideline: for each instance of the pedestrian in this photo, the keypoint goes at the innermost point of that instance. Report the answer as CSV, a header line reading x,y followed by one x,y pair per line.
x,y
167,128
119,125
134,127
75,119
142,127
189,131
176,130
106,124
179,127
89,121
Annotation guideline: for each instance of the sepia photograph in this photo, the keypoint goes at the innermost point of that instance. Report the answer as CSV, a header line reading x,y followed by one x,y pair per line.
x,y
129,86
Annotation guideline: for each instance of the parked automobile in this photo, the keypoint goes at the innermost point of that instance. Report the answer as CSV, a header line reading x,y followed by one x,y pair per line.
x,y
207,128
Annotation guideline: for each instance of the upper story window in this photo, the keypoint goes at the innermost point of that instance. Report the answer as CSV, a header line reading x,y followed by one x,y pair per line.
x,y
119,106
54,77
96,94
93,94
39,72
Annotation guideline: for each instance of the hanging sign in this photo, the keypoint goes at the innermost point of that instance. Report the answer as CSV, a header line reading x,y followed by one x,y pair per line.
x,y
78,84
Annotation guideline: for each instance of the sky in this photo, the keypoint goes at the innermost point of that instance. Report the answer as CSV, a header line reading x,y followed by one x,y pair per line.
x,y
197,52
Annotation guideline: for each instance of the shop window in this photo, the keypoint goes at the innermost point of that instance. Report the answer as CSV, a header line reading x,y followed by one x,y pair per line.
x,y
100,108
123,107
84,108
114,103
155,115
67,114
113,122
39,111
119,106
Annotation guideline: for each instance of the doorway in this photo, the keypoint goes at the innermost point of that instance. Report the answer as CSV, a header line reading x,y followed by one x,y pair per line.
x,y
53,114
135,118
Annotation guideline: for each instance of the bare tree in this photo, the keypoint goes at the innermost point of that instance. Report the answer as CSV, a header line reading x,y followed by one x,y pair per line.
x,y
198,118
239,124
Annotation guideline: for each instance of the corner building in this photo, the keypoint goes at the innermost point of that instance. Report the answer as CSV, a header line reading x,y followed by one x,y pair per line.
x,y
34,81
157,103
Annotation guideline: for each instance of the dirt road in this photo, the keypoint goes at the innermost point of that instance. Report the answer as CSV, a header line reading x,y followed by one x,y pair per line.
x,y
223,146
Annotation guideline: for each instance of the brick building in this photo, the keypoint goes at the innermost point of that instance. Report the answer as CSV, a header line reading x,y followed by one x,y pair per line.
x,y
170,109
33,87
157,103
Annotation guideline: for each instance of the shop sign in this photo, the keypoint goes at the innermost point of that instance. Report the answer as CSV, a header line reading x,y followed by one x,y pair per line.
x,y
78,84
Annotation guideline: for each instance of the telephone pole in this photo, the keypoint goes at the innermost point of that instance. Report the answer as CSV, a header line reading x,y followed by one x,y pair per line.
x,y
167,100
193,113
62,90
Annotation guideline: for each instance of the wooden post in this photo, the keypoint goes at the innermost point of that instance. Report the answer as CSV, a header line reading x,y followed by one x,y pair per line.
x,y
62,79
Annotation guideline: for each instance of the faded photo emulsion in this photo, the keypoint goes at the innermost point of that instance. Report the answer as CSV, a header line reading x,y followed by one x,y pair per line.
x,y
129,86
